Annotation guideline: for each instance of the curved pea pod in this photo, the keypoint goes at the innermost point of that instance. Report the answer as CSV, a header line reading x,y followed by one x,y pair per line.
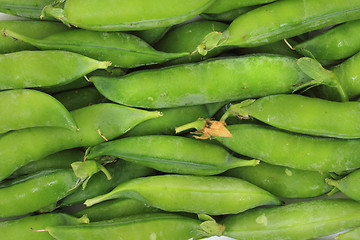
x,y
195,194
227,16
186,37
121,49
37,192
302,220
152,36
283,181
353,234
293,150
79,98
27,69
23,228
35,29
97,123
115,209
24,8
171,154
220,6
121,171
301,114
302,16
59,160
211,81
110,15
30,108
337,43
348,185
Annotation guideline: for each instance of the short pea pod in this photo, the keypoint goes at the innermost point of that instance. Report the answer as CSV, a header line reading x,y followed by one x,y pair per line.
x,y
337,43
171,154
195,194
24,8
121,49
36,193
97,123
353,234
210,81
36,29
27,69
110,15
283,181
348,185
220,6
115,209
24,108
279,20
303,114
302,220
23,228
304,152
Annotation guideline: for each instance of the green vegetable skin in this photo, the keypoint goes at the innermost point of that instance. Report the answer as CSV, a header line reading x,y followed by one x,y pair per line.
x,y
348,185
220,6
350,235
211,81
303,220
24,8
112,15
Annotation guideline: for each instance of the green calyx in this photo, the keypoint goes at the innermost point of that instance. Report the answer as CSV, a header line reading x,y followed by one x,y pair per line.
x,y
208,228
237,110
210,41
55,10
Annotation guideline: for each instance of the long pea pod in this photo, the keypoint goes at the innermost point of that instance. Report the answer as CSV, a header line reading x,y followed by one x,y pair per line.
x,y
195,194
210,81
121,49
36,29
302,220
301,114
110,15
283,181
35,193
171,154
348,185
27,69
220,6
24,8
96,123
25,228
24,108
279,20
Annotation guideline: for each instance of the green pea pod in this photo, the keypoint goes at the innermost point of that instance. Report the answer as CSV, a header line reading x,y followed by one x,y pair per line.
x,y
115,209
303,114
195,194
25,228
211,81
348,185
121,171
59,160
171,154
121,49
220,6
44,68
301,16
110,15
353,234
293,150
186,37
227,16
151,36
24,8
160,226
29,108
283,181
97,123
35,29
79,98
302,220
36,193
337,43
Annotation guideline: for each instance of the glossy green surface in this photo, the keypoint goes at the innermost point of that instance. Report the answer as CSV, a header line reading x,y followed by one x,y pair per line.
x,y
151,36
211,81
354,234
227,16
25,108
293,150
35,29
36,193
283,181
195,194
24,8
348,185
27,69
96,123
303,220
335,44
121,49
220,6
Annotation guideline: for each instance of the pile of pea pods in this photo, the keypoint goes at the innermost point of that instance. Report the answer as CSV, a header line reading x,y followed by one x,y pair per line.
x,y
178,120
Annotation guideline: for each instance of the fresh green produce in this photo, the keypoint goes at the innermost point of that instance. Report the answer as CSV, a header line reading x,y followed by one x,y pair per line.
x,y
227,16
353,234
348,185
151,36
24,8
220,6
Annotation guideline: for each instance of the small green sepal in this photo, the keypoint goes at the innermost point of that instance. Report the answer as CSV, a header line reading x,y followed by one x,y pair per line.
x,y
210,41
237,110
208,228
